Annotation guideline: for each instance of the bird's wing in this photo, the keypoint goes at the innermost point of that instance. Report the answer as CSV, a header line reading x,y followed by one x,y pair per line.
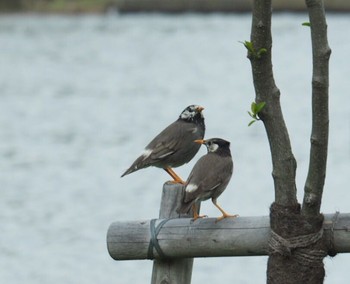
x,y
210,173
200,191
203,179
163,149
165,143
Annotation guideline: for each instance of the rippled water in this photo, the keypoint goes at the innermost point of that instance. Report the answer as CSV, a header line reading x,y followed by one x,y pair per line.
x,y
81,97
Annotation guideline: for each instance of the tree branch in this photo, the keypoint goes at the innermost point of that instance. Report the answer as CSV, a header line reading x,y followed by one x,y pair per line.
x,y
320,120
283,161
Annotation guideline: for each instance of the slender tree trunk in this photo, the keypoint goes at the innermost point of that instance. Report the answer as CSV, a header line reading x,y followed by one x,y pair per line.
x,y
297,246
320,120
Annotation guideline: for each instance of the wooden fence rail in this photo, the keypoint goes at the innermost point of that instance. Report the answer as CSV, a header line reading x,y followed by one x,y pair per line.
x,y
185,238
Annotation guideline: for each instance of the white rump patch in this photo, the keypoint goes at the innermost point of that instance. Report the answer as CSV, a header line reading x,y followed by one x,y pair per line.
x,y
146,153
191,187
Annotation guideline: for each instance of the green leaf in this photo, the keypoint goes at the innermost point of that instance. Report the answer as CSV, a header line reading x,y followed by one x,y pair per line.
x,y
250,123
253,108
261,52
260,106
307,24
248,45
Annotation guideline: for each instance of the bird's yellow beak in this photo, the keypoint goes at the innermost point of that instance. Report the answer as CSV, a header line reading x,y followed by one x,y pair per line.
x,y
199,141
200,108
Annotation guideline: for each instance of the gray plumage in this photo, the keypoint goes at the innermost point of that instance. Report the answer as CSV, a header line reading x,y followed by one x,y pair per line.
x,y
209,176
174,146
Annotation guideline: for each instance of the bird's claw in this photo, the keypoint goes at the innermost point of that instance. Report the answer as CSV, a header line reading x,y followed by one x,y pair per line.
x,y
199,217
176,182
226,216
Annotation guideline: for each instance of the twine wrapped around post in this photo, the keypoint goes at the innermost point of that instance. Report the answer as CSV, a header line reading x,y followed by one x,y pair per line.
x,y
166,270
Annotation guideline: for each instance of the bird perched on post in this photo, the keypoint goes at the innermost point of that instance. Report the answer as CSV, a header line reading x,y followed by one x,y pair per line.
x,y
174,146
209,177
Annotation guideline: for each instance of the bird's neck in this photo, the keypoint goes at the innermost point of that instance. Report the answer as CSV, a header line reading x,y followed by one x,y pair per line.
x,y
196,119
223,152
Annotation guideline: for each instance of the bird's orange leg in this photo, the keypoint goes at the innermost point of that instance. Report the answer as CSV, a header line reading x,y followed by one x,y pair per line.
x,y
176,178
195,214
224,214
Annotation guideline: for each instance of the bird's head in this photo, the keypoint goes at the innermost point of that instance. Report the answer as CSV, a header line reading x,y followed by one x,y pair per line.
x,y
215,144
192,113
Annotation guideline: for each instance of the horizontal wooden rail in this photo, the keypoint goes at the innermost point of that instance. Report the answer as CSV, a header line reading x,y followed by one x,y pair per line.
x,y
181,238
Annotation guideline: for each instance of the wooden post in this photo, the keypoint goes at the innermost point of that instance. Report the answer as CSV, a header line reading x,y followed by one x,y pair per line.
x,y
167,270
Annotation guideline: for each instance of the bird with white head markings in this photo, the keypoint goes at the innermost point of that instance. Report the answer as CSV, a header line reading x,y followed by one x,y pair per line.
x,y
209,177
174,146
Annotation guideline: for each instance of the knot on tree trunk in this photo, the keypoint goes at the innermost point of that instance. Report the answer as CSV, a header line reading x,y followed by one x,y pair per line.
x,y
297,246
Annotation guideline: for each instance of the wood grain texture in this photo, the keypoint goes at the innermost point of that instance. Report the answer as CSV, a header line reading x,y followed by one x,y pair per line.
x,y
242,236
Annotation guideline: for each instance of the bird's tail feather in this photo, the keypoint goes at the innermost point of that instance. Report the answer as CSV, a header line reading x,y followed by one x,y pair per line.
x,y
128,171
134,167
184,208
139,163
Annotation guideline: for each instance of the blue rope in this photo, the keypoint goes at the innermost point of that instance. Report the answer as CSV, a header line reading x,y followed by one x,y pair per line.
x,y
153,243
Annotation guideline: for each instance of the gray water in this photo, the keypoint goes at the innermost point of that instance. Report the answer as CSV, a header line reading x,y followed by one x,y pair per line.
x,y
81,96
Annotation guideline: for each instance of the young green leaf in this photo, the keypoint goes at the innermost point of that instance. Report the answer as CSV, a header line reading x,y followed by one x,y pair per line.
x,y
250,123
248,45
307,24
255,109
261,52
260,106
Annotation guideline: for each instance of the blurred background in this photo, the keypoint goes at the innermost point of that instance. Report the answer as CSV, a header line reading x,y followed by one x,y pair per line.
x,y
84,87
102,6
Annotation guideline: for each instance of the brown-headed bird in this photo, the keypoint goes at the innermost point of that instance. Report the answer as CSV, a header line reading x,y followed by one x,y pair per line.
x,y
174,146
209,177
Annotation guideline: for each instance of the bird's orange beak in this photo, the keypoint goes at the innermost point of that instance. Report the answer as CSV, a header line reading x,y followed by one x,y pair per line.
x,y
200,141
200,108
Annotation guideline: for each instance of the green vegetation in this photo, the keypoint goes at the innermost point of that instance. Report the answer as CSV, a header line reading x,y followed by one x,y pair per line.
x,y
251,51
254,113
57,6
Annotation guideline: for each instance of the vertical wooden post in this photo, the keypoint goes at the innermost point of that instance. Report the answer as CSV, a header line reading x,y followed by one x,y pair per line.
x,y
171,271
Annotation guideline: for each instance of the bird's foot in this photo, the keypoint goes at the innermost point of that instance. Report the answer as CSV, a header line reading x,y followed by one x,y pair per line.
x,y
176,178
226,216
196,217
177,182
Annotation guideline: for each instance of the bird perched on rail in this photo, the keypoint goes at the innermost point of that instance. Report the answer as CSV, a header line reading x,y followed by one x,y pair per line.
x,y
174,146
209,177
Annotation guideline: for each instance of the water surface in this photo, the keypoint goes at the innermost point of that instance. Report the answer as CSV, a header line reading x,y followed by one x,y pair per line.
x,y
81,96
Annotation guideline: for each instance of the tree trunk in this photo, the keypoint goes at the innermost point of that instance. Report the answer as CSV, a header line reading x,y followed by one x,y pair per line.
x,y
297,246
